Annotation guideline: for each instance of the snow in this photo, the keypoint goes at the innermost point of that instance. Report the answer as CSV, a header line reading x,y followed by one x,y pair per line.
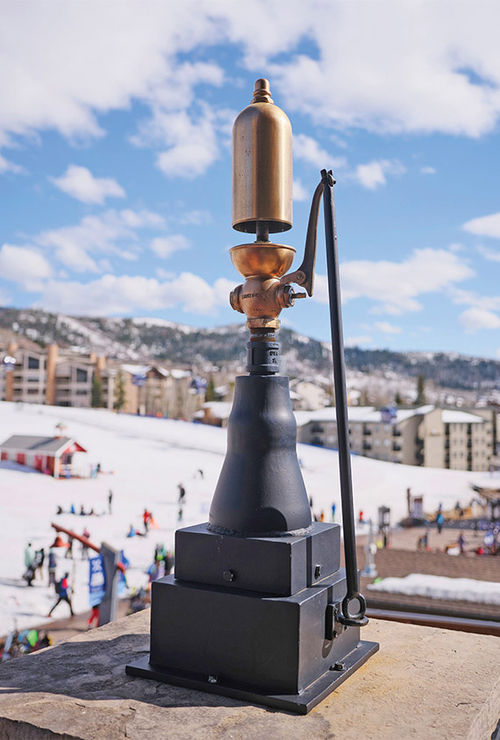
x,y
450,416
151,321
441,587
219,409
144,459
136,369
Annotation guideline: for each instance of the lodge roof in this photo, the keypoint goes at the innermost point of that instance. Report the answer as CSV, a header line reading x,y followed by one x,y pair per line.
x,y
35,443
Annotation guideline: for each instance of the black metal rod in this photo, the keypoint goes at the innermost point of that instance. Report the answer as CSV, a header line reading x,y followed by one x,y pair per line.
x,y
341,405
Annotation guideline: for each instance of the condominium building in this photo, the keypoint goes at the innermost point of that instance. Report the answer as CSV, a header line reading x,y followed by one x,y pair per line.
x,y
427,436
49,376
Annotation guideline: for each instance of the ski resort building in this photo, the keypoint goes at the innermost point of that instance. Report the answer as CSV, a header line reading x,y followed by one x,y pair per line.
x,y
51,455
427,436
53,377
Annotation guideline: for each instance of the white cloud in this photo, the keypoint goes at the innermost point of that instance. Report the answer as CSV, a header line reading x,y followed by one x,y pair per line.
x,y
48,79
110,295
393,67
191,140
484,225
469,298
475,318
427,170
387,328
493,255
110,233
7,166
373,174
164,246
24,265
300,192
308,150
395,286
196,217
192,145
388,67
358,341
80,183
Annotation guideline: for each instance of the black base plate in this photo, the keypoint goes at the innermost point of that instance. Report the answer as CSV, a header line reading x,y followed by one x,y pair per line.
x,y
297,703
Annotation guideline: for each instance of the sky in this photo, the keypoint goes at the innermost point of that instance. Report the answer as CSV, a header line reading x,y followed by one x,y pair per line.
x,y
115,159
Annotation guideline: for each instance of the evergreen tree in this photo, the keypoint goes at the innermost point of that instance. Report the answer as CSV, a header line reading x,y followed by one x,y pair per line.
x,y
397,399
210,392
420,390
119,392
96,393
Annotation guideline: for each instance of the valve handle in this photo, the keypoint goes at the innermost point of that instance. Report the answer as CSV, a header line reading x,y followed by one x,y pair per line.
x,y
304,276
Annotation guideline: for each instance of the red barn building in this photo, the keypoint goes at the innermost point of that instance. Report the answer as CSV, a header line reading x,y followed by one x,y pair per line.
x,y
47,454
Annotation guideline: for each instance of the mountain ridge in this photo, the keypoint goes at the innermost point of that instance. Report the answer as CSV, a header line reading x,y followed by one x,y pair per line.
x,y
153,339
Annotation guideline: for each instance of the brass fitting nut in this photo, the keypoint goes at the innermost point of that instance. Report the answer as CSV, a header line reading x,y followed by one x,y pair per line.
x,y
234,299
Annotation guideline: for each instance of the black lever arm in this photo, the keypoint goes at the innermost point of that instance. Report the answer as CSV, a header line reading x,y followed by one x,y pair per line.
x,y
347,617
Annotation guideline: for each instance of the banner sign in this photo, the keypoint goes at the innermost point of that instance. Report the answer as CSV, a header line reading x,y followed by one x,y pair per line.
x,y
97,580
9,363
122,581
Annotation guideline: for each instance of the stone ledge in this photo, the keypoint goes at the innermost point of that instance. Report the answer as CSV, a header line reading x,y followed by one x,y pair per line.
x,y
424,683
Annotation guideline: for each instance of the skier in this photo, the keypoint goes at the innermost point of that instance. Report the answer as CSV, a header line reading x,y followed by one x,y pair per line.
x,y
110,501
39,561
69,551
28,556
63,593
84,549
334,509
52,566
440,522
182,494
94,617
146,518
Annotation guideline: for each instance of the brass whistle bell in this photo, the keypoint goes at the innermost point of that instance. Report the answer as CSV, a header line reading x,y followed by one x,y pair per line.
x,y
262,166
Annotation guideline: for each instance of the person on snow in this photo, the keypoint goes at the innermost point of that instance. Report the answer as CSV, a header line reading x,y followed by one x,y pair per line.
x,y
63,593
440,522
94,617
69,551
182,494
52,566
84,548
146,518
110,500
39,561
29,555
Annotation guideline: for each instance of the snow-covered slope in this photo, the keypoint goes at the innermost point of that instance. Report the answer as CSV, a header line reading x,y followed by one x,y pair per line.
x,y
143,460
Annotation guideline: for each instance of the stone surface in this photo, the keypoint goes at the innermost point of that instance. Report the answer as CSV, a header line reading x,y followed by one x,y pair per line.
x,y
424,683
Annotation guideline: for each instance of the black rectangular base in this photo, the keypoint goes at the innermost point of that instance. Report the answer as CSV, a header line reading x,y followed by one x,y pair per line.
x,y
298,703
242,563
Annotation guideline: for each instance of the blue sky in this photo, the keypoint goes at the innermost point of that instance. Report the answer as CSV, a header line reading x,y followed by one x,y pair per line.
x,y
115,159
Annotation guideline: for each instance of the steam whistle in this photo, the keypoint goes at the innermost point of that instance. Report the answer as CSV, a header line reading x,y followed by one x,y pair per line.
x,y
259,608
262,204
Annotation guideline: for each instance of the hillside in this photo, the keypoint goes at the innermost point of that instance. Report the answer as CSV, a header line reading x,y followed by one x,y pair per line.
x,y
155,339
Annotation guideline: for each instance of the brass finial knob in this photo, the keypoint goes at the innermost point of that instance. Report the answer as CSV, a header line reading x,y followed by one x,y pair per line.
x,y
262,91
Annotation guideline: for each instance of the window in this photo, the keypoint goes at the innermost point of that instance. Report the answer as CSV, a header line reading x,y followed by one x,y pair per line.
x,y
32,391
81,375
33,363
